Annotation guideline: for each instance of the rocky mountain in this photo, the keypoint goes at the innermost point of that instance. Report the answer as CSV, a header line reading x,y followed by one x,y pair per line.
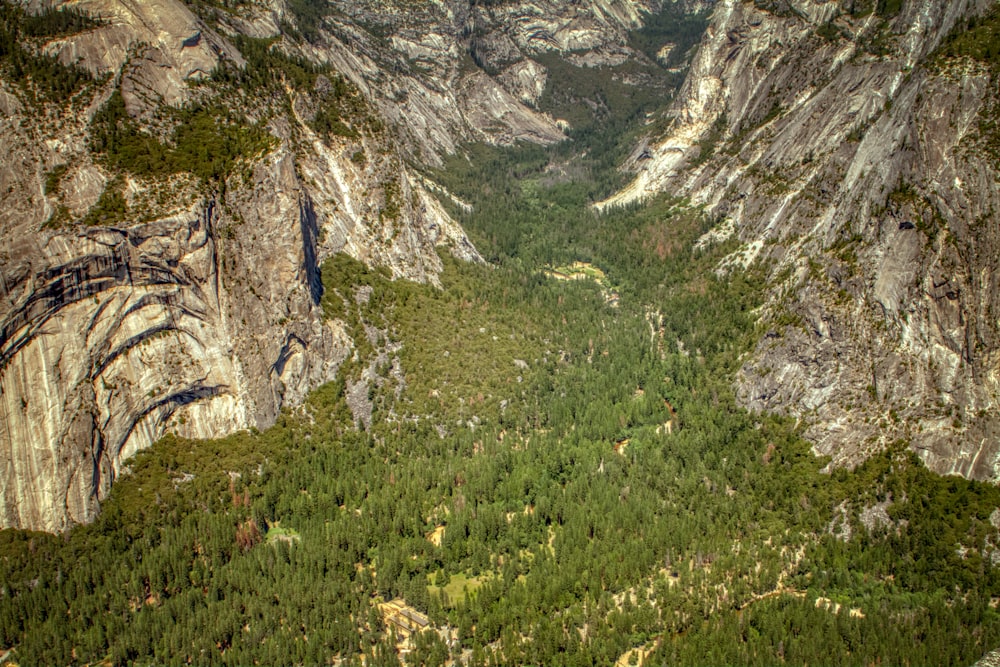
x,y
850,146
176,174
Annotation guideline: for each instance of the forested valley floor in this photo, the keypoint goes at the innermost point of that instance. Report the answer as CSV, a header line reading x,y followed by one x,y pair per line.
x,y
555,471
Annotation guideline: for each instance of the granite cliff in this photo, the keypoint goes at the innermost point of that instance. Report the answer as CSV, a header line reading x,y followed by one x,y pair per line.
x,y
852,154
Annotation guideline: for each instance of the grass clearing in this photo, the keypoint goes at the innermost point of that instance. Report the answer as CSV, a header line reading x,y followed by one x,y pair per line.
x,y
456,587
277,534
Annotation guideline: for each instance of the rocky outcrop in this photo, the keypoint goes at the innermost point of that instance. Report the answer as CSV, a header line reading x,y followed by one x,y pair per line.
x,y
991,659
852,163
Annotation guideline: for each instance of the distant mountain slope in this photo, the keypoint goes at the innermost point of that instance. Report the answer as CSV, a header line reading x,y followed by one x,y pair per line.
x,y
852,146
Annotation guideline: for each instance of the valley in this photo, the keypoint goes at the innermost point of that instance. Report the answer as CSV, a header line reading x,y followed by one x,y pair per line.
x,y
720,540
367,401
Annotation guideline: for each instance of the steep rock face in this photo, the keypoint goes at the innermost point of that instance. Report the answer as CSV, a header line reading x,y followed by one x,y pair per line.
x,y
857,166
198,310
412,64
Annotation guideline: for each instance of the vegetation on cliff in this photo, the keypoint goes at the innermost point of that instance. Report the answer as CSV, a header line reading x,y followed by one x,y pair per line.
x,y
40,75
206,141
